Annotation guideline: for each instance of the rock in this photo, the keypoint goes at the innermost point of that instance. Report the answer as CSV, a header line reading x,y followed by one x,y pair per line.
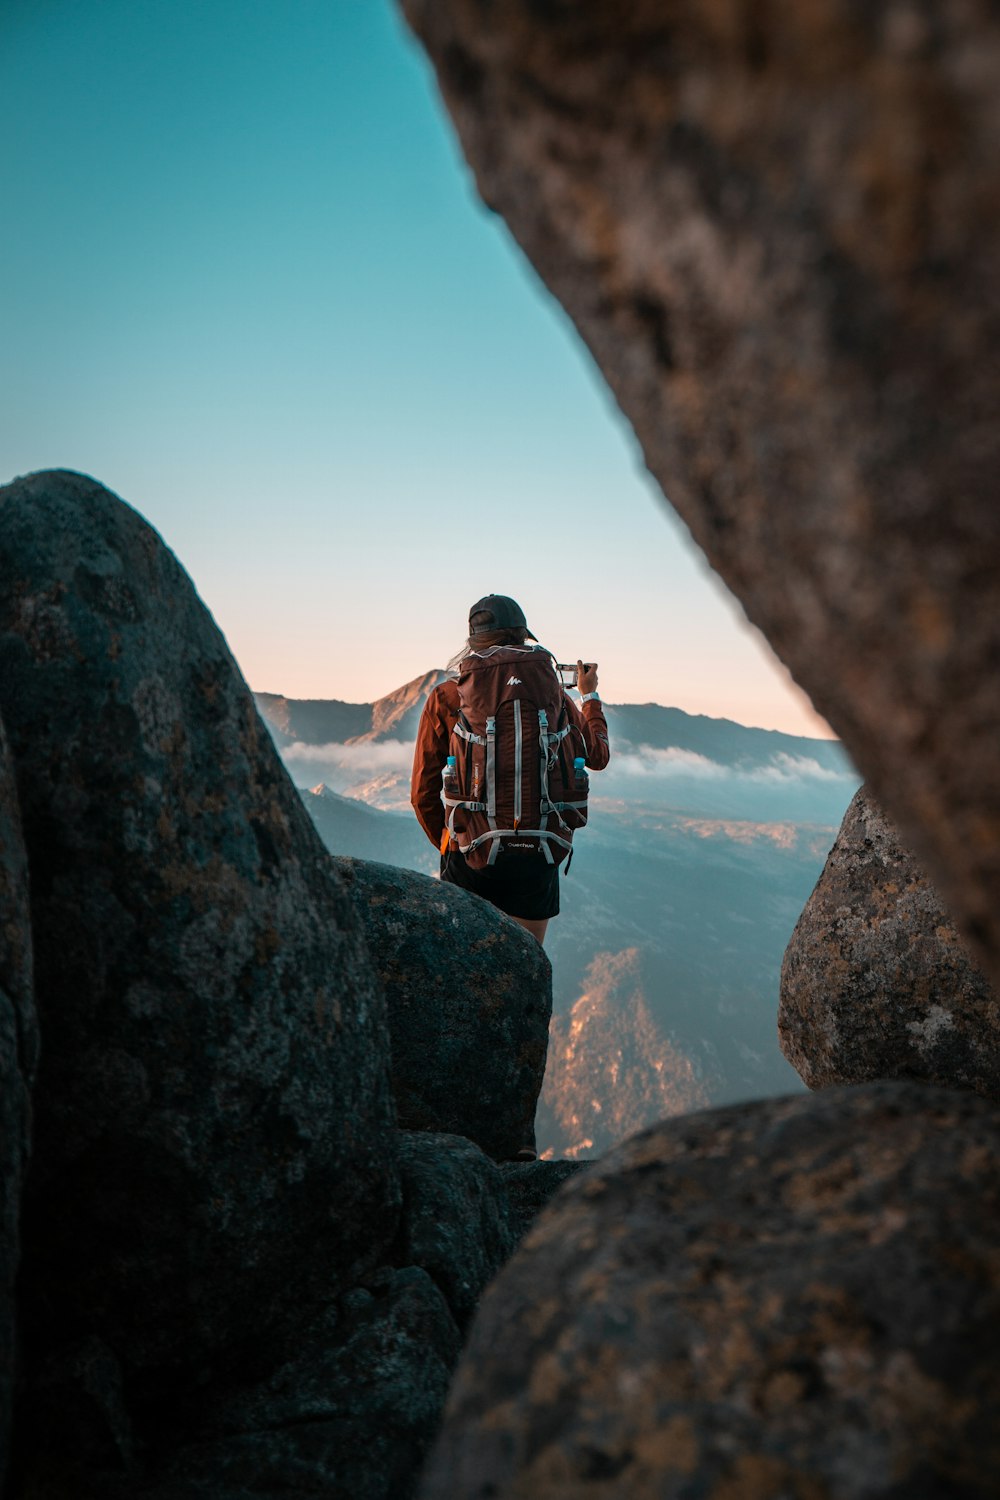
x,y
795,1297
469,995
876,982
351,1416
18,1060
75,1437
457,1223
531,1185
777,231
214,1146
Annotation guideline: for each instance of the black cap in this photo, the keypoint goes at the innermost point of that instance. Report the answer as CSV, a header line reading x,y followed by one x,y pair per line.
x,y
504,614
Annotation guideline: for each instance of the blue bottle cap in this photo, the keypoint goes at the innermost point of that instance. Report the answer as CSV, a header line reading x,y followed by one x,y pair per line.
x,y
452,761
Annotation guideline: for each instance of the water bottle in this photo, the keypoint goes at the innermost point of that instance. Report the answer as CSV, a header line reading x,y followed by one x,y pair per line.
x,y
580,770
450,772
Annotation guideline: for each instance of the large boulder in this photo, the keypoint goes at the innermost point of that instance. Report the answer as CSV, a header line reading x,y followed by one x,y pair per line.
x,y
876,982
214,1148
777,228
18,1059
469,995
795,1297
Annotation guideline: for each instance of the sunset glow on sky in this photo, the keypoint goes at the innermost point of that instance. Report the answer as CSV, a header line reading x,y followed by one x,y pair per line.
x,y
247,284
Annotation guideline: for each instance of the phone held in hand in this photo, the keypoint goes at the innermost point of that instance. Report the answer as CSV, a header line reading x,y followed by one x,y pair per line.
x,y
567,673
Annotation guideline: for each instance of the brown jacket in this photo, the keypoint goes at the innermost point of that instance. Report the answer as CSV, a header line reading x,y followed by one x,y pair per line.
x,y
436,722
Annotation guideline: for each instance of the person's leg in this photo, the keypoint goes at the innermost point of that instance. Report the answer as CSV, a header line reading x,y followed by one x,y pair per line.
x,y
535,926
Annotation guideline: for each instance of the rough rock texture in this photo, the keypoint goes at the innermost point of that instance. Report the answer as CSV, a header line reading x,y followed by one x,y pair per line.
x,y
778,230
469,995
18,1059
352,1412
876,982
350,1417
531,1185
213,1143
796,1297
456,1223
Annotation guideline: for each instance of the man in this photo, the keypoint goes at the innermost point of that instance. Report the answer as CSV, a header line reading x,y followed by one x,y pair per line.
x,y
526,888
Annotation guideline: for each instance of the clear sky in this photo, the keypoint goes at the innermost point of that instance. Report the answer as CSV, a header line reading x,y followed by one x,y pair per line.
x,y
245,281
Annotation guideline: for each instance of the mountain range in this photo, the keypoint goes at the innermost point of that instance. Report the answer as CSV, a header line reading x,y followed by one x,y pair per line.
x,y
705,839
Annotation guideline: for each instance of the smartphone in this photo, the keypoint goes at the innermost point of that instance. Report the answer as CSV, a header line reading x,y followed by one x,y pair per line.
x,y
567,673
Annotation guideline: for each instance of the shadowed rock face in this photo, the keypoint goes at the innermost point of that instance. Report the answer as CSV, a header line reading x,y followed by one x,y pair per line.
x,y
531,1185
18,1059
777,231
876,982
796,1297
353,1409
457,1223
213,1147
469,995
349,1415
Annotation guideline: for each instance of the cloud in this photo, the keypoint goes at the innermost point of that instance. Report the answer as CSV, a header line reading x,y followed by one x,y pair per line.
x,y
368,759
640,762
647,761
378,772
799,768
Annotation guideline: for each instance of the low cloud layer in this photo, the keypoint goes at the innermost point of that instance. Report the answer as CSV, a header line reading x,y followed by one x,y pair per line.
x,y
793,788
356,761
647,761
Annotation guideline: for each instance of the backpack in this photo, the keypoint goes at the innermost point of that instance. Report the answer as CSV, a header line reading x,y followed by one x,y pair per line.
x,y
514,786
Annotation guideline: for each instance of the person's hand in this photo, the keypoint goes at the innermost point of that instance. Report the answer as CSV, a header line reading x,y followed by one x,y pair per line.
x,y
586,676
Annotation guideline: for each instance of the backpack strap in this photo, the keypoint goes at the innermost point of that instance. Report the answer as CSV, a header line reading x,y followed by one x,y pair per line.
x,y
548,743
467,734
491,790
543,835
518,760
543,764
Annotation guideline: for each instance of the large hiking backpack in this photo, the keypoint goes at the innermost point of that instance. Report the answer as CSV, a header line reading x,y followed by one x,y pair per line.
x,y
514,785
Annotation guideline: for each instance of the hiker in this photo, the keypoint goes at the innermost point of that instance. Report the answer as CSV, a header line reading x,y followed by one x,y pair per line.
x,y
499,773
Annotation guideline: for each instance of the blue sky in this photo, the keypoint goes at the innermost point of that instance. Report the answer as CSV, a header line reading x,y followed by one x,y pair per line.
x,y
245,281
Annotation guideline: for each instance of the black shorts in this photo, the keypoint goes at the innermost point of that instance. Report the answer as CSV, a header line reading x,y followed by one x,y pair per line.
x,y
520,887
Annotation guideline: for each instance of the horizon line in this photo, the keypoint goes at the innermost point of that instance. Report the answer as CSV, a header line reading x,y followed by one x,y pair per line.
x,y
719,718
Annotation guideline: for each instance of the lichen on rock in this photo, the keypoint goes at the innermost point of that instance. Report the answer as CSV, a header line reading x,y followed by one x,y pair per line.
x,y
792,1297
777,231
876,980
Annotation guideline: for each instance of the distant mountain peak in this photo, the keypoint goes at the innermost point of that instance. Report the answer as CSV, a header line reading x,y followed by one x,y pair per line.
x,y
396,715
